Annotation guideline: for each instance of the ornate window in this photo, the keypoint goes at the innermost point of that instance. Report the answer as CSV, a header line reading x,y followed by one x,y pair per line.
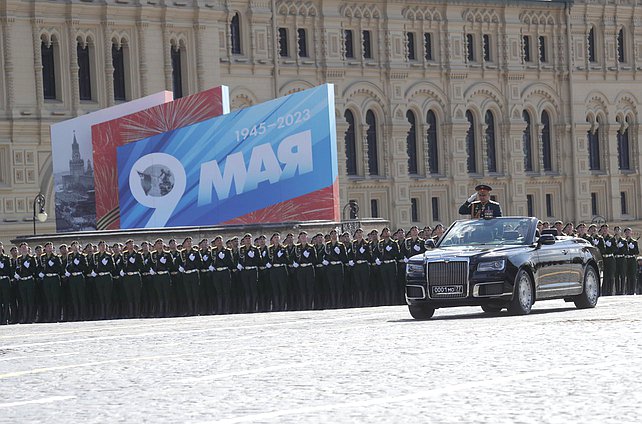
x,y
546,142
371,137
542,49
528,143
367,45
428,53
470,47
623,159
47,52
526,46
431,138
621,56
235,34
302,41
84,71
411,140
486,46
118,61
283,42
490,141
591,45
470,144
410,39
351,144
593,138
348,44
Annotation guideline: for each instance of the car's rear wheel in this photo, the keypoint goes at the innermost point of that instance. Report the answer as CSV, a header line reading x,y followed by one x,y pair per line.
x,y
491,309
523,297
590,292
421,312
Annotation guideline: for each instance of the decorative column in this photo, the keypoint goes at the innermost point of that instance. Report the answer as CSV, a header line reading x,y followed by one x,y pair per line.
x,y
37,62
397,161
611,166
167,54
342,128
515,200
142,57
8,61
109,64
199,30
364,149
582,189
74,68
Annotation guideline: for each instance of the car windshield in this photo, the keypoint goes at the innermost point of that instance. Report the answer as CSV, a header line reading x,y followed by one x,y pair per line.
x,y
499,231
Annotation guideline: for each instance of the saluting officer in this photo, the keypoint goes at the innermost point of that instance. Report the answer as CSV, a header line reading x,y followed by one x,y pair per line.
x,y
305,256
335,256
25,275
191,263
608,283
6,272
631,261
479,204
77,267
50,272
163,264
132,283
103,272
277,261
360,263
222,275
389,253
249,261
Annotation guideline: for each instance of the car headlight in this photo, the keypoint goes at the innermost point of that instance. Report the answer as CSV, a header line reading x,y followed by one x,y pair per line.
x,y
415,268
497,265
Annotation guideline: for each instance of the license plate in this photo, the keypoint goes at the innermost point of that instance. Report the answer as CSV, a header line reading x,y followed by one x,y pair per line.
x,y
447,290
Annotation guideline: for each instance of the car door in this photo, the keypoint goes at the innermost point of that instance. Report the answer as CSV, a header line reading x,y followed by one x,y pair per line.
x,y
553,270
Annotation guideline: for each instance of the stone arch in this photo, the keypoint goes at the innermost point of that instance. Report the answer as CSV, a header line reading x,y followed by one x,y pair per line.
x,y
294,87
421,14
242,98
120,39
367,11
50,36
541,96
487,94
300,8
627,104
430,94
367,93
486,16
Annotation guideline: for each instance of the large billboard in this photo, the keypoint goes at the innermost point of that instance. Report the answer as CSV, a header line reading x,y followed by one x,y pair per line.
x,y
71,150
273,162
108,136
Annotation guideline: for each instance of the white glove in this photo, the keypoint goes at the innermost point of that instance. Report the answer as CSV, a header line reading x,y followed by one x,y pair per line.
x,y
405,260
295,265
93,273
67,274
324,262
239,267
152,272
268,265
16,276
122,273
211,268
181,269
351,262
41,275
472,197
377,261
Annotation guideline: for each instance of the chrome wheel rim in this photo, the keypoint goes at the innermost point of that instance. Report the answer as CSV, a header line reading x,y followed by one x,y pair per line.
x,y
591,287
525,293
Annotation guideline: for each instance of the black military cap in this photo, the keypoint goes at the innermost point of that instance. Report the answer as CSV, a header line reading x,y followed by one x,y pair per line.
x,y
247,235
592,226
158,240
217,238
604,226
581,224
129,241
484,187
262,236
204,241
356,231
186,238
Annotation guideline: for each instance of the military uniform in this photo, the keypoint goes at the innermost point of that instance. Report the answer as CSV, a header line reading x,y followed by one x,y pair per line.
x,y
25,275
249,262
163,264
6,273
50,272
361,258
305,256
104,269
222,278
335,256
264,284
608,284
375,290
320,280
389,254
632,265
132,282
77,267
294,297
191,263
409,248
278,260
478,209
621,251
147,292
207,292
177,300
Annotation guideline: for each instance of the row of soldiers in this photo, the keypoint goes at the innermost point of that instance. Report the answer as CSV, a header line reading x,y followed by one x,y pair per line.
x,y
238,276
619,251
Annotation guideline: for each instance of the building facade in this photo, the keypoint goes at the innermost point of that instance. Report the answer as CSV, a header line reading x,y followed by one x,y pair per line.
x,y
537,98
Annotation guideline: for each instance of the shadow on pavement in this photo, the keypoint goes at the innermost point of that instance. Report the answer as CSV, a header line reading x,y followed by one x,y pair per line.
x,y
483,315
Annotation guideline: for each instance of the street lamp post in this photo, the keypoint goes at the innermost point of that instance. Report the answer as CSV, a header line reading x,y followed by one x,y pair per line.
x,y
41,215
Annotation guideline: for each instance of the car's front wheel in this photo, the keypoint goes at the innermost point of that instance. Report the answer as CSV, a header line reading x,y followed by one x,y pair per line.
x,y
421,312
491,309
523,297
591,291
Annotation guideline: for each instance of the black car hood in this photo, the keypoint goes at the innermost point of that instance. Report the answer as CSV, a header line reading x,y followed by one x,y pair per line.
x,y
471,252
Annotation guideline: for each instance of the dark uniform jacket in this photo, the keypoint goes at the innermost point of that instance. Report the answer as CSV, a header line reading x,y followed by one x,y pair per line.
x,y
361,251
477,210
206,259
305,254
132,262
27,266
51,265
634,249
411,247
191,259
249,256
6,267
163,261
77,262
104,262
223,258
278,255
335,252
389,250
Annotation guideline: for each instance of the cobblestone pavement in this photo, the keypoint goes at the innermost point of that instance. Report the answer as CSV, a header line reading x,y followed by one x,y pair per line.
x,y
556,365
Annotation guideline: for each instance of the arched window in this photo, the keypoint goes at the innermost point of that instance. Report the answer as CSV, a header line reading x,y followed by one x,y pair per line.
x,y
235,34
623,160
411,140
84,70
621,57
593,138
470,144
546,142
528,142
490,141
47,52
118,61
371,136
470,47
177,71
591,44
431,138
351,144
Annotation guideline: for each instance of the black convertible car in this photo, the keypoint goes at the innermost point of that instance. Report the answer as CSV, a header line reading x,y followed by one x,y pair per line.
x,y
502,263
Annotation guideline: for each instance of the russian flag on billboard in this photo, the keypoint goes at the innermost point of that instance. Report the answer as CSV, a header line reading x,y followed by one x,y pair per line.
x,y
273,162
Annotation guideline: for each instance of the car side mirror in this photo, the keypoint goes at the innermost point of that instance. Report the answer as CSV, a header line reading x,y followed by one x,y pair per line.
x,y
546,239
429,244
